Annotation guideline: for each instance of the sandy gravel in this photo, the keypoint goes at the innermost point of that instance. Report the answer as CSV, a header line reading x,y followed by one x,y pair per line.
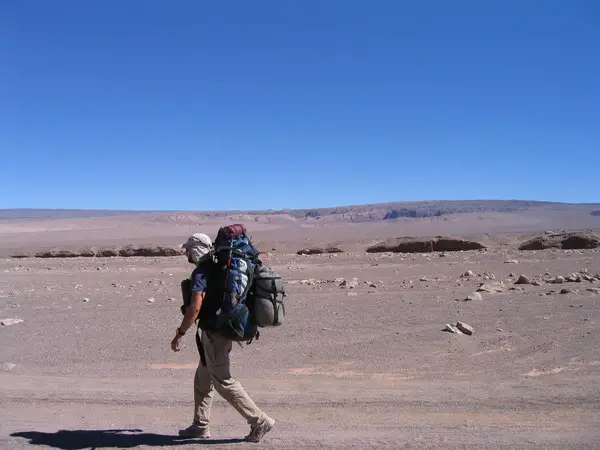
x,y
368,367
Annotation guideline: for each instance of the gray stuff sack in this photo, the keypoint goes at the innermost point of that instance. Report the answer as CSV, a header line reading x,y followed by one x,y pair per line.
x,y
266,297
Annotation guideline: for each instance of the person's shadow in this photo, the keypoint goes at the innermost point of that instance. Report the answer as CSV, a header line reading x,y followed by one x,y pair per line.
x,y
85,439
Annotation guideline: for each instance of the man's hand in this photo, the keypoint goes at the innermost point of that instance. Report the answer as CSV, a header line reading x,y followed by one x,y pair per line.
x,y
191,314
176,343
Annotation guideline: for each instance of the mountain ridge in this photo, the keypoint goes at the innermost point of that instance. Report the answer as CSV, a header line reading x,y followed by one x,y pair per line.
x,y
352,213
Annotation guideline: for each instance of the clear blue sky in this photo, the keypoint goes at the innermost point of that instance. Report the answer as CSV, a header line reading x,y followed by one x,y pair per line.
x,y
150,104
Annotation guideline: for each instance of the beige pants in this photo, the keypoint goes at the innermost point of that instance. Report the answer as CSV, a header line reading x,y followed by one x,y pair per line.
x,y
216,376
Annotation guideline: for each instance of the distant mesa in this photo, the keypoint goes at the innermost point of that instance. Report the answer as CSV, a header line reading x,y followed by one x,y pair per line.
x,y
565,241
413,213
425,245
373,212
319,250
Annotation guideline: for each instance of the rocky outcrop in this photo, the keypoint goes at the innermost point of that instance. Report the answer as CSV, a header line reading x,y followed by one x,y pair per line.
x,y
425,245
319,250
65,253
595,213
566,241
105,252
130,251
454,245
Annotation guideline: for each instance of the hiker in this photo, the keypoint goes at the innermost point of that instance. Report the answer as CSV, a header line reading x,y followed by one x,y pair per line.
x,y
213,372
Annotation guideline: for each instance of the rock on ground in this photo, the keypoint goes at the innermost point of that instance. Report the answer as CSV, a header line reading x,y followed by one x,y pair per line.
x,y
473,296
523,280
319,250
491,287
465,328
7,322
352,284
452,329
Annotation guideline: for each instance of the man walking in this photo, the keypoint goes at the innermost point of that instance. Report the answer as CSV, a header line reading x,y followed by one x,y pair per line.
x,y
213,372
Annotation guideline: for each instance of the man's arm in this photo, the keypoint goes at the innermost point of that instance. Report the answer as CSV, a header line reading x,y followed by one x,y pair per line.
x,y
191,313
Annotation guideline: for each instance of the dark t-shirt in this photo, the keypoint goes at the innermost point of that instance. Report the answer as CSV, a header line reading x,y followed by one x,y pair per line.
x,y
200,276
207,277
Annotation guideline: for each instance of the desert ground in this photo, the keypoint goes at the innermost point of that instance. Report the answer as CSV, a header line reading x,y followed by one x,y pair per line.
x,y
361,361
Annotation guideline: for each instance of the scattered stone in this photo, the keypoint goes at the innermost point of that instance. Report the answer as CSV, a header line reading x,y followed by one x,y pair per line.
x,y
594,290
536,283
468,273
423,279
151,300
500,330
523,280
558,280
85,299
7,322
171,299
473,296
349,284
565,291
511,275
466,329
452,329
351,294
492,287
511,261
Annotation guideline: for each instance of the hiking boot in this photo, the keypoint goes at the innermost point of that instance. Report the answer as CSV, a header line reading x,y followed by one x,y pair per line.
x,y
258,431
195,431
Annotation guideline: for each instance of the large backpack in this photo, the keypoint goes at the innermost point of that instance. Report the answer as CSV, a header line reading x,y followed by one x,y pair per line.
x,y
237,258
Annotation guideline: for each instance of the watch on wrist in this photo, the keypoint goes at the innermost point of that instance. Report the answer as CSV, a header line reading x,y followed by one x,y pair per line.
x,y
180,333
